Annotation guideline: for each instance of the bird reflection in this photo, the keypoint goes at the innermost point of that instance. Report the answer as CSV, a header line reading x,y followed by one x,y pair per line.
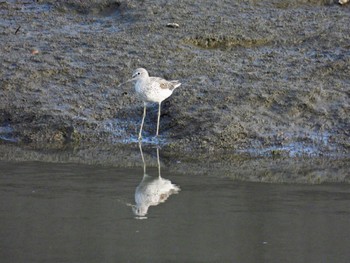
x,y
152,190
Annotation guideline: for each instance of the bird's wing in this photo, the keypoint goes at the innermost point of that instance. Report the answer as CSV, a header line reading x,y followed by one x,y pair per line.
x,y
164,84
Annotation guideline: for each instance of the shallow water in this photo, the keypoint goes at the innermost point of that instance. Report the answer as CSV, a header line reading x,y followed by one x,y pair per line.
x,y
84,213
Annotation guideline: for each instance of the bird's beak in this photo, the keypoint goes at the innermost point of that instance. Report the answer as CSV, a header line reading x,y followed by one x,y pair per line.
x,y
126,82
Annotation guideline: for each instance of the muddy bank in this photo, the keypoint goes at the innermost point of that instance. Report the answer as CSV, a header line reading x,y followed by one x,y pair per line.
x,y
238,167
263,77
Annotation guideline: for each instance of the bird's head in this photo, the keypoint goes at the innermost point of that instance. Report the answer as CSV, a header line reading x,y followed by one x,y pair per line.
x,y
139,73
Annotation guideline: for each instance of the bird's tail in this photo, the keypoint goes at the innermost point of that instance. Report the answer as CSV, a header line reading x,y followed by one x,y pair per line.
x,y
176,83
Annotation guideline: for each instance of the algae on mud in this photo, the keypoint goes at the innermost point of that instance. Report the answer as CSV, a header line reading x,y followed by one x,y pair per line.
x,y
264,75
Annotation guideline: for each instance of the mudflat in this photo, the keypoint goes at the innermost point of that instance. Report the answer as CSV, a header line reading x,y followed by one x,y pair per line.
x,y
258,77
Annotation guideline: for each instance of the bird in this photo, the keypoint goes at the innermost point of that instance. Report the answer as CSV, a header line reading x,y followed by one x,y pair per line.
x,y
152,90
152,190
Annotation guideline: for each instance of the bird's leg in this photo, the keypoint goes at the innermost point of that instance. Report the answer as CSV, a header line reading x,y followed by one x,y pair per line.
x,y
143,120
158,119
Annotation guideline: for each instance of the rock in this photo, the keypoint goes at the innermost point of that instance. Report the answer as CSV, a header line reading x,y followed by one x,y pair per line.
x,y
173,25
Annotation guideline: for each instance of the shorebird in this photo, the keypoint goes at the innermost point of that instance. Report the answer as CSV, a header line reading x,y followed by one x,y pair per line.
x,y
152,89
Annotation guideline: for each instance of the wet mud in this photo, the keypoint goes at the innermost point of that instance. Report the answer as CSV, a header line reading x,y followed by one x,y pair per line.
x,y
264,78
237,167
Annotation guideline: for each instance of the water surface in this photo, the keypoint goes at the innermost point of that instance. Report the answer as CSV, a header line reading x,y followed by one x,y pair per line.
x,y
83,213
